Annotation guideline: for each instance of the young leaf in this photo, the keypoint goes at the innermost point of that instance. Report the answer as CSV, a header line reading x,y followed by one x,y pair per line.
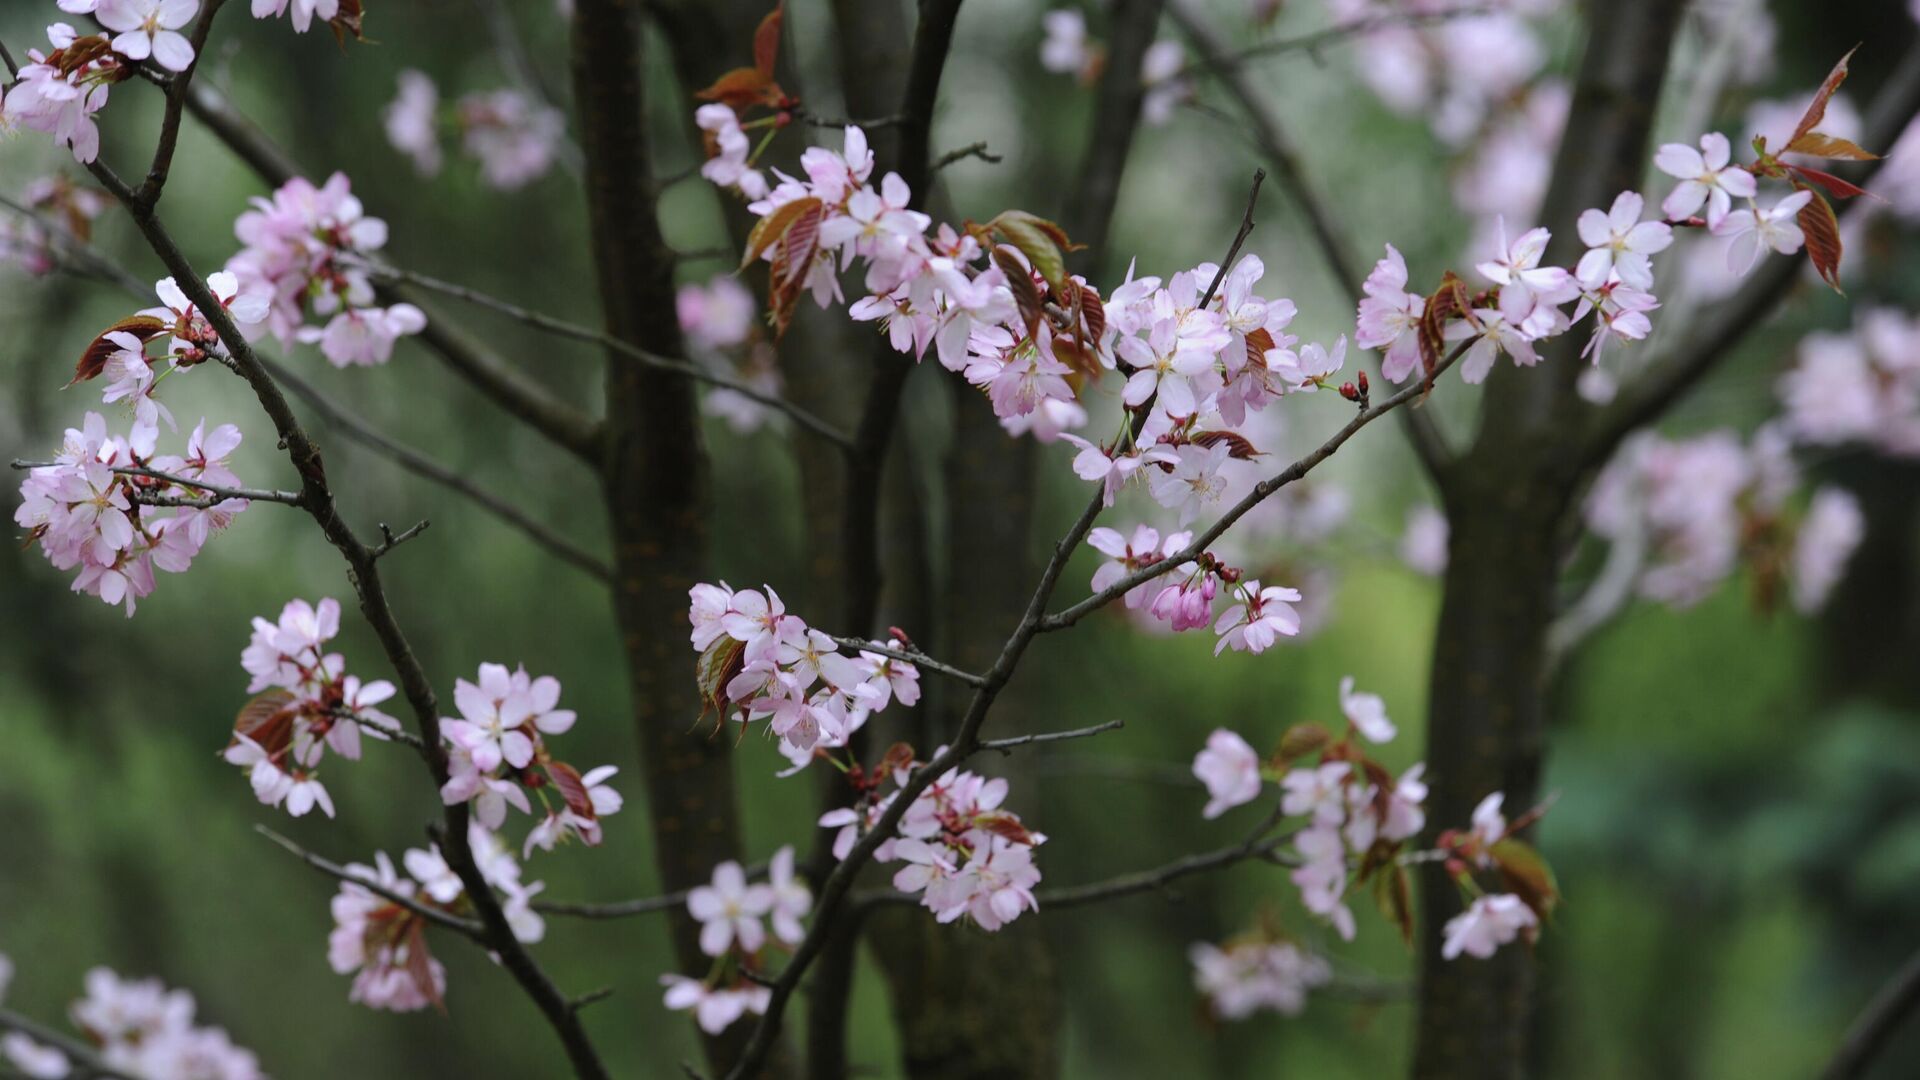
x,y
715,668
566,779
766,41
1302,739
1816,144
1040,240
1817,108
742,87
1026,297
1834,186
94,360
267,720
1239,447
1822,230
768,230
1527,875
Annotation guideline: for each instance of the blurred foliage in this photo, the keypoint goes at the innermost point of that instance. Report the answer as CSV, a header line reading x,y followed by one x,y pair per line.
x,y
1735,832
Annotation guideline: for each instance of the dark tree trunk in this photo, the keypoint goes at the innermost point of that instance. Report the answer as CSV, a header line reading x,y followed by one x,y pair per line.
x,y
655,477
1507,501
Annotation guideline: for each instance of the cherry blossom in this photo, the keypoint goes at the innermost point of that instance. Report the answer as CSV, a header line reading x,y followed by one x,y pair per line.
x,y
151,28
301,12
1316,792
1263,616
714,1008
1620,243
33,1059
1366,712
515,138
1231,771
1065,49
144,1029
1144,548
1488,923
58,94
729,911
382,944
1248,976
1755,230
1528,291
1833,528
1194,481
1423,544
1707,178
411,121
1390,317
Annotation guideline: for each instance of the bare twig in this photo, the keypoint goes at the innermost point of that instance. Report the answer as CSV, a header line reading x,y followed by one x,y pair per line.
x,y
176,91
289,498
1338,33
390,540
911,656
1891,1007
13,69
590,997
421,465
326,866
1006,746
316,498
622,909
971,150
577,332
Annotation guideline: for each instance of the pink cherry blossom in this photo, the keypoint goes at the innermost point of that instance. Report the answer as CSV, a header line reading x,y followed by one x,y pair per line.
x,y
1488,923
1366,712
729,911
1832,529
1231,771
151,28
1620,243
1263,616
1707,178
302,12
412,121
1390,317
1755,230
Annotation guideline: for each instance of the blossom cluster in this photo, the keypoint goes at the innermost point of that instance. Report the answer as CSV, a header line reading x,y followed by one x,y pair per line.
x,y
515,138
498,752
1859,388
383,944
28,244
962,852
306,249
730,911
111,507
1255,616
757,661
305,704
1359,823
1702,506
139,1028
1243,977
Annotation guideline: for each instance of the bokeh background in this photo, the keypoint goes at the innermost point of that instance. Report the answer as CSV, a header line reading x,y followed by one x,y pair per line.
x,y
1738,821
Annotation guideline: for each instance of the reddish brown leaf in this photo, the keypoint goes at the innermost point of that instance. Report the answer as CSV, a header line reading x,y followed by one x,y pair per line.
x,y
420,965
800,242
1259,343
1817,108
766,41
1004,824
1238,445
347,23
1040,240
1838,188
1395,898
567,780
1447,302
94,360
1822,230
267,720
1816,144
768,230
715,668
742,87
1026,296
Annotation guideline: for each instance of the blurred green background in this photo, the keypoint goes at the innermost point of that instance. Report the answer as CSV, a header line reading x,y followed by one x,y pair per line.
x,y
1738,824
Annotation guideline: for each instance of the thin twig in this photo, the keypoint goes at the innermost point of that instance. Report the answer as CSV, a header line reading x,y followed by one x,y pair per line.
x,y
326,866
577,332
13,69
1006,746
622,909
1338,33
590,997
1891,1007
289,498
911,656
390,540
420,464
971,150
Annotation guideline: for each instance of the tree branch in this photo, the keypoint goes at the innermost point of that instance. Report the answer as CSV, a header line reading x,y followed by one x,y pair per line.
x,y
1071,615
317,500
652,360
911,656
1891,1007
434,915
565,425
250,494
1006,746
1339,33
176,93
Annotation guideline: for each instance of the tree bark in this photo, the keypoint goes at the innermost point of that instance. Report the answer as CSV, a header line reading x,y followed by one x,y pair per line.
x,y
1507,500
655,477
